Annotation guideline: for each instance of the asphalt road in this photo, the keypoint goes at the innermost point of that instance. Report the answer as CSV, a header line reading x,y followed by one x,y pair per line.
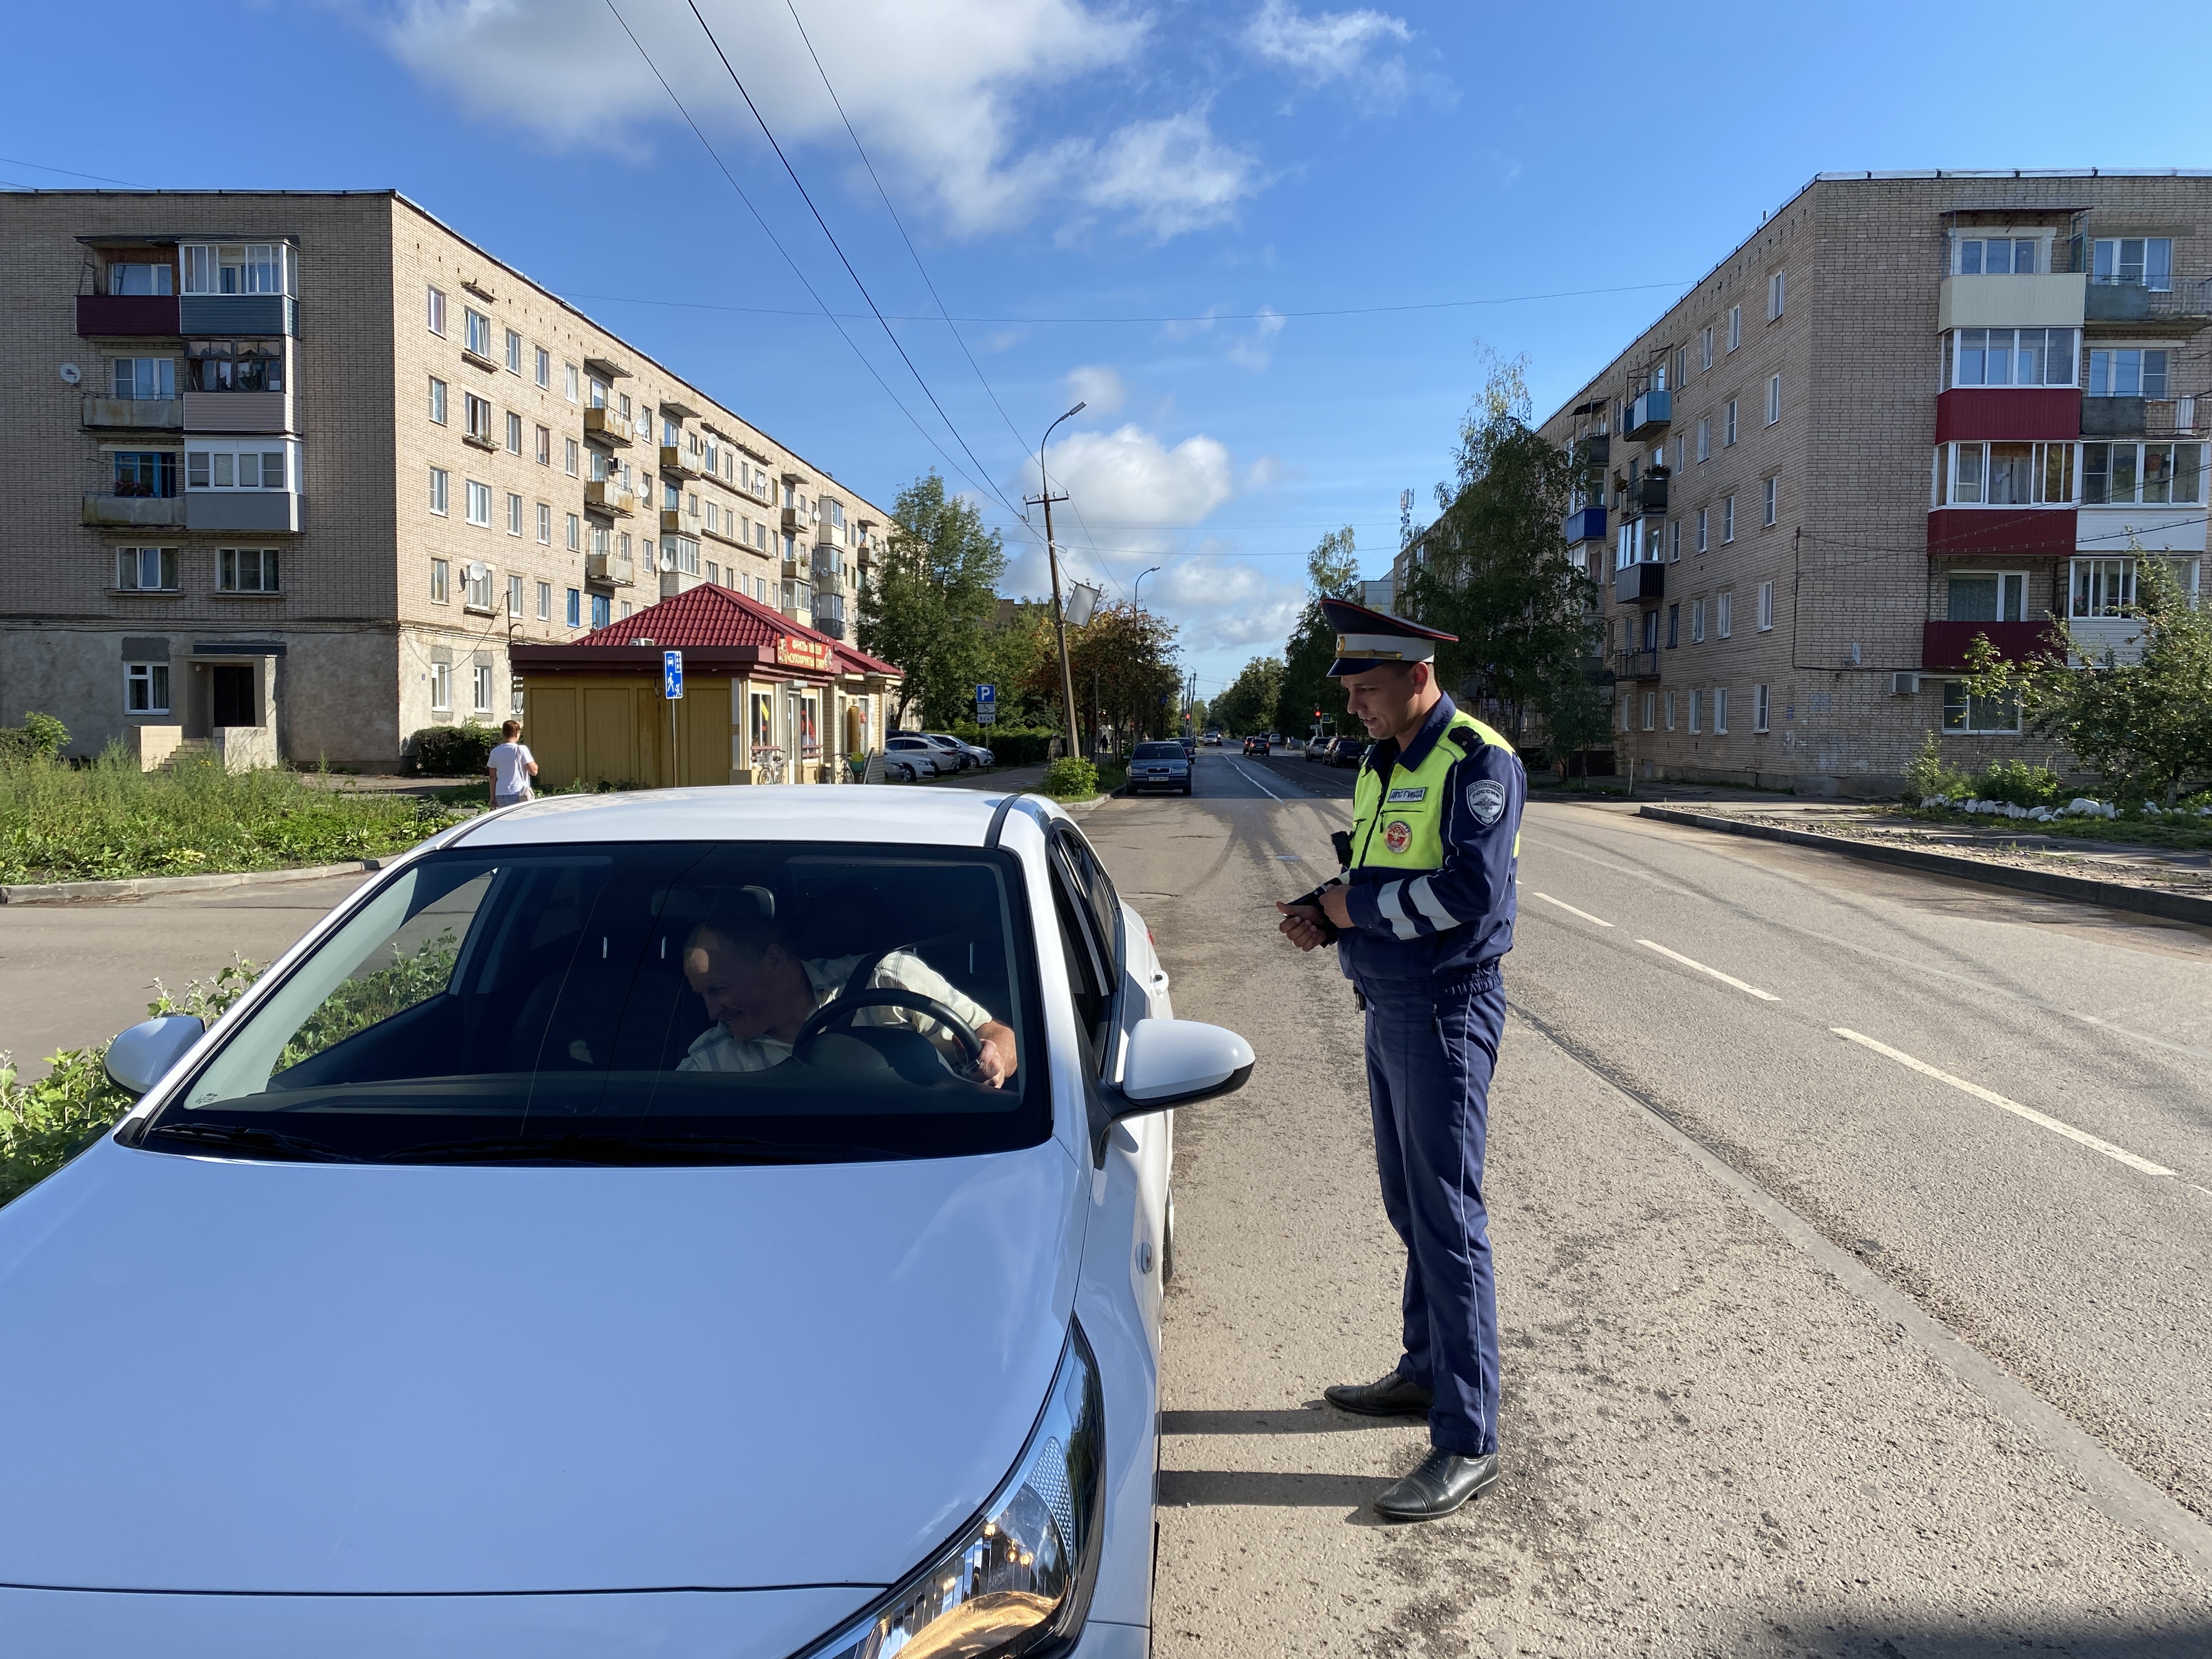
x,y
1808,1349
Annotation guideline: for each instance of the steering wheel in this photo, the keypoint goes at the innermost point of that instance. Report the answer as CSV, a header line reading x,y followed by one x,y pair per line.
x,y
841,1009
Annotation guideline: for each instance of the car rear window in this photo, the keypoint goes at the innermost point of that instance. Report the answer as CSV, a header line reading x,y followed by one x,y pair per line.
x,y
685,1003
1158,751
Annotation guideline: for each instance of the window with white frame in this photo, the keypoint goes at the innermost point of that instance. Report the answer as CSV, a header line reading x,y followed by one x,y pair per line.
x,y
599,389
246,570
146,687
2133,262
1696,712
479,503
1650,710
1724,614
569,375
477,337
441,591
544,368
545,524
576,533
1769,491
1674,541
545,601
441,688
2011,357
574,614
437,311
236,463
513,513
1765,606
437,400
477,415
2006,474
133,278
1667,710
239,268
476,587
1696,622
2124,474
1720,711
1704,438
570,458
1727,519
513,352
439,479
1734,327
146,569
1727,423
1773,400
545,447
1989,255
2123,372
2106,587
1774,296
514,596
143,379
1986,596
1703,515
1965,713
1760,707
514,433
1705,348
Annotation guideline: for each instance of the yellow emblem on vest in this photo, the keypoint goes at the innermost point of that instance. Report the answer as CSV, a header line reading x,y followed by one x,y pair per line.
x,y
1399,836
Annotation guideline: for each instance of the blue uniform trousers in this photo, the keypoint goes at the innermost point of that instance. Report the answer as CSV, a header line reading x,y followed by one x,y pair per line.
x,y
1432,1045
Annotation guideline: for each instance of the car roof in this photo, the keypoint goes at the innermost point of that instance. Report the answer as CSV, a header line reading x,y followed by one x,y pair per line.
x,y
875,813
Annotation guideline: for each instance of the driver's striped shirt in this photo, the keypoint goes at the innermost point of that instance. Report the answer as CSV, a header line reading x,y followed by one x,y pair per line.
x,y
716,1050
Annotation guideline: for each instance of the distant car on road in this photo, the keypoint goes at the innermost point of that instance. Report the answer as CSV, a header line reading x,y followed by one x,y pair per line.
x,y
1274,738
1345,752
1314,748
951,745
1256,745
1213,740
918,752
1159,766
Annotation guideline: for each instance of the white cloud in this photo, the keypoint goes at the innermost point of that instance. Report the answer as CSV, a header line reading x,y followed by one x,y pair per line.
x,y
938,89
1097,385
1128,478
1331,45
1257,351
1219,600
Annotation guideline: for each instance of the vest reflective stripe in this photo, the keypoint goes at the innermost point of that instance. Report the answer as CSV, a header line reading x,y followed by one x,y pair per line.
x,y
1401,828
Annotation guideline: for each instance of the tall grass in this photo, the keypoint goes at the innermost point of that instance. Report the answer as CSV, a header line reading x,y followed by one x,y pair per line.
x,y
109,820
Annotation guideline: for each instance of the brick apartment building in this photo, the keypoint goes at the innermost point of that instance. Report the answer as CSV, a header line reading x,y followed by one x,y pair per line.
x,y
1911,408
298,467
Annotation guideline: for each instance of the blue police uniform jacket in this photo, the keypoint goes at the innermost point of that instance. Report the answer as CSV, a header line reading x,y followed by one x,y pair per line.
x,y
1414,923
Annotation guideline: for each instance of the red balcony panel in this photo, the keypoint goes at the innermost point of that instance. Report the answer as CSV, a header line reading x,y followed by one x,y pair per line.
x,y
2025,531
2015,412
126,313
1943,644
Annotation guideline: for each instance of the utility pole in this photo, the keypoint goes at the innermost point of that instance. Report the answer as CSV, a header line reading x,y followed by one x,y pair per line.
x,y
1052,560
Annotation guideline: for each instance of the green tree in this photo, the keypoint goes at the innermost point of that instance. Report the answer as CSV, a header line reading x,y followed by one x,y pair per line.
x,y
929,607
1331,572
2144,727
1497,574
1249,704
1125,671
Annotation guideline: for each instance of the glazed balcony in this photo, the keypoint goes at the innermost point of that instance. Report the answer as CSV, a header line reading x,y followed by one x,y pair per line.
x,y
233,315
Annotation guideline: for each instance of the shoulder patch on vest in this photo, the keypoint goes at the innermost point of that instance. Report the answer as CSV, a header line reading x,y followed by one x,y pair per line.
x,y
1486,799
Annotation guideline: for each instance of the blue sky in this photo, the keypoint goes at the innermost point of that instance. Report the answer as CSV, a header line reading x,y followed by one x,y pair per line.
x,y
1236,166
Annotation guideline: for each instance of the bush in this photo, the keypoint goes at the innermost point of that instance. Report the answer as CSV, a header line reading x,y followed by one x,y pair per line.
x,y
40,737
2017,784
1010,746
1070,778
453,751
1925,774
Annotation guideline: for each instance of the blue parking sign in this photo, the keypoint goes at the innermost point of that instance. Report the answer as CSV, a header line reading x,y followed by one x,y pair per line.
x,y
986,695
671,674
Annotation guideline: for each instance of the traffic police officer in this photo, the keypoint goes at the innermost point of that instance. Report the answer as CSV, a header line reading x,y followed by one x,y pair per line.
x,y
1420,923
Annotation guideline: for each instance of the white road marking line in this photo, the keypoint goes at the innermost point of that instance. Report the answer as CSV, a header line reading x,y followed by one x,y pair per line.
x,y
1624,869
1572,911
1253,782
2013,1106
1725,979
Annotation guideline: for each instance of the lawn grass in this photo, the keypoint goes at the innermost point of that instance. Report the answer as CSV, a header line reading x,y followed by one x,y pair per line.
x,y
109,821
2180,834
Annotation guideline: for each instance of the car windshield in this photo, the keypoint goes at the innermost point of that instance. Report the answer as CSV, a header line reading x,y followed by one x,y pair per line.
x,y
1158,751
657,1002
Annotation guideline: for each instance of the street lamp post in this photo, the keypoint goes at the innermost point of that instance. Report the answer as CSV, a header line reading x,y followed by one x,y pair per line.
x,y
1149,570
1052,560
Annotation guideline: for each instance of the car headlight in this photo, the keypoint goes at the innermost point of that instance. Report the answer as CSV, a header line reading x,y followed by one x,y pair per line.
x,y
1017,1579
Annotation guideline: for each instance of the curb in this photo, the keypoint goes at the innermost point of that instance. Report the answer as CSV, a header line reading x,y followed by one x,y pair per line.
x,y
144,887
2081,890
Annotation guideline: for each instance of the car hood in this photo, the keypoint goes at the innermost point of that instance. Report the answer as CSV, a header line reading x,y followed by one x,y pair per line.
x,y
282,1378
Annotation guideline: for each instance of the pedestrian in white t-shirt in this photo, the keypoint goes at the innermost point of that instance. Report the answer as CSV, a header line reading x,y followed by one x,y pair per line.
x,y
511,767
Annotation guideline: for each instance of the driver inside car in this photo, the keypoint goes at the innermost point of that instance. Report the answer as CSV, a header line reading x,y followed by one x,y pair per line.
x,y
759,994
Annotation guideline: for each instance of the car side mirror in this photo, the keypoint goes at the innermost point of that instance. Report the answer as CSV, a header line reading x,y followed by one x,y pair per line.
x,y
141,1056
1168,1063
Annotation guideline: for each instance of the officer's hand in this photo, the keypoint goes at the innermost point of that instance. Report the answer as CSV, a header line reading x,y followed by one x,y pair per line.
x,y
1300,924
1336,904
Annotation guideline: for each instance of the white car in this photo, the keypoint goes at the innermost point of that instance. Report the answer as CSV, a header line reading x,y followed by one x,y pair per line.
x,y
924,756
953,745
471,1290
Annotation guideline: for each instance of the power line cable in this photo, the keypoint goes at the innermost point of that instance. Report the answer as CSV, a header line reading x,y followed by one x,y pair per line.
x,y
40,167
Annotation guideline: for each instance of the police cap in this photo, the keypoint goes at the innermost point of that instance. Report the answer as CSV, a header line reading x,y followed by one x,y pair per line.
x,y
1368,638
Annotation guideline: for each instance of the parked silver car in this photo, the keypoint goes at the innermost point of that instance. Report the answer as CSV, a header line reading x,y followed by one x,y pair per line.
x,y
1159,766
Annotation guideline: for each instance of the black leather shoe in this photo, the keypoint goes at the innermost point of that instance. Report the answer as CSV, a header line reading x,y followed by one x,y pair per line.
x,y
1443,1481
1395,1395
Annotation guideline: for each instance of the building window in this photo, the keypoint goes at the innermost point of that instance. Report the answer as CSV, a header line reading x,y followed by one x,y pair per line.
x,y
1774,296
1727,423
513,352
141,472
1705,438
437,314
1650,710
545,375
545,445
2012,356
2124,474
234,469
1765,606
440,579
576,533
141,279
1964,713
1674,626
1773,398
514,596
439,478
2107,587
513,434
476,587
545,524
1724,614
570,379
1768,489
477,413
2127,373
1706,349
146,687
1674,541
441,688
513,513
1761,704
476,340
576,612
602,609
1696,622
545,601
146,569
1703,515
239,268
236,365
1997,256
1735,337
1720,711
599,392
1696,712
246,570
479,503
1998,596
1727,519
571,460
437,400
2019,474
139,378
2133,262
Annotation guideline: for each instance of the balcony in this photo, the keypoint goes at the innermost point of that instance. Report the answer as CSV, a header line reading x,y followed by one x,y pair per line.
x,y
610,570
2032,532
1639,584
166,512
676,522
141,414
1943,644
2008,413
237,313
1584,525
1648,415
1646,497
238,411
1594,450
2181,308
2026,300
108,315
1635,665
265,511
673,464
797,517
607,427
608,496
